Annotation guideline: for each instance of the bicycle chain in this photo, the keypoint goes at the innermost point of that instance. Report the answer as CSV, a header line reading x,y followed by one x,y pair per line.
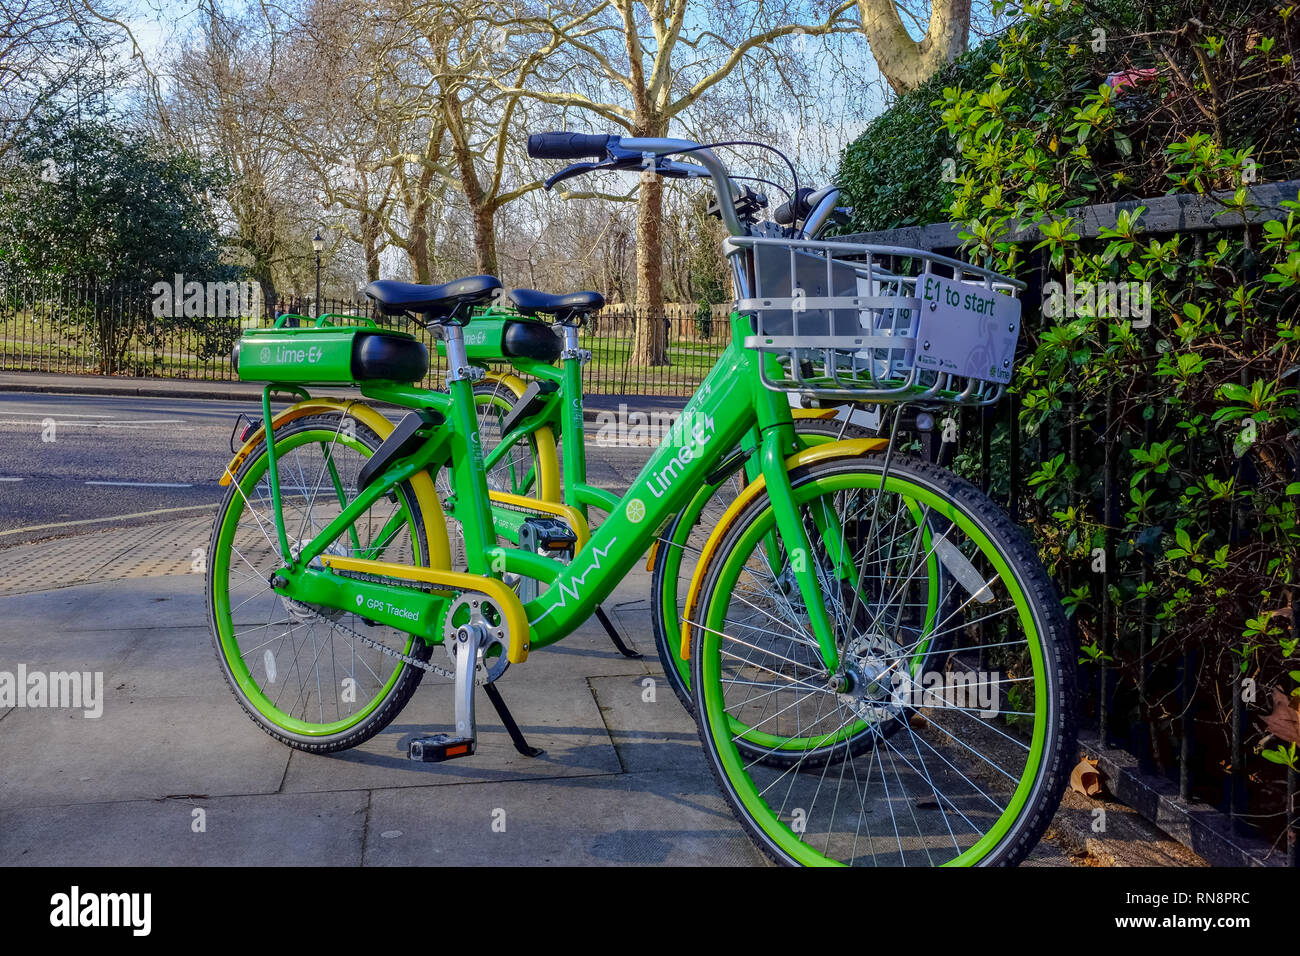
x,y
377,645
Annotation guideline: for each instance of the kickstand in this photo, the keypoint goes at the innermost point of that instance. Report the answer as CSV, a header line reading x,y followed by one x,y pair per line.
x,y
507,718
613,635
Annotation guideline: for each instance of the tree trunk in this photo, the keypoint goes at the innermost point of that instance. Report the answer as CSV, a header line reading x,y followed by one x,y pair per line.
x,y
266,282
419,219
370,244
651,346
485,239
417,252
907,63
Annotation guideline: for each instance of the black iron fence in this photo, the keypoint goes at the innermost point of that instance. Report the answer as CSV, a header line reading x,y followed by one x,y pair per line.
x,y
80,326
1198,713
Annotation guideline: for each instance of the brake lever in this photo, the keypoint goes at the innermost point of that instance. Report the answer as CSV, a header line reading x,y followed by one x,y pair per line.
x,y
673,169
626,159
568,172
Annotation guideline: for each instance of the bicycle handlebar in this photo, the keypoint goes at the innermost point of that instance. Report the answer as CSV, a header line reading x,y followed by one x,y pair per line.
x,y
568,145
794,208
643,152
649,153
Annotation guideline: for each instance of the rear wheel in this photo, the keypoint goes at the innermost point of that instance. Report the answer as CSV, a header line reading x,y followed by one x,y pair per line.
x,y
517,471
299,671
963,762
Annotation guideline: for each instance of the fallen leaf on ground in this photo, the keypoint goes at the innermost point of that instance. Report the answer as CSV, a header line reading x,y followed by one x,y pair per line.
x,y
1085,778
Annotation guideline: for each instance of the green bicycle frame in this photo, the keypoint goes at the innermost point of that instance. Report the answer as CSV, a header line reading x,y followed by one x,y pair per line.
x,y
730,403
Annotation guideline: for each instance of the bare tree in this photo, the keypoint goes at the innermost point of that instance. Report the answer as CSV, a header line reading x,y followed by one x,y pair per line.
x,y
220,89
655,60
48,47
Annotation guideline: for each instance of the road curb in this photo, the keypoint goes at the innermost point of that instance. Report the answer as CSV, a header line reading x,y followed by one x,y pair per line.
x,y
1198,826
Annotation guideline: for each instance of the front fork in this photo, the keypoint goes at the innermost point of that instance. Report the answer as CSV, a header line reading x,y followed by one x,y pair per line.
x,y
777,442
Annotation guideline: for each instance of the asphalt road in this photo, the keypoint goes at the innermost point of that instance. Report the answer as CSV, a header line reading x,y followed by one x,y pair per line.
x,y
68,462
115,461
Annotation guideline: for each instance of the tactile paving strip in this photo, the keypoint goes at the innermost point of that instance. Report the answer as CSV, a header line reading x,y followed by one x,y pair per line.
x,y
142,551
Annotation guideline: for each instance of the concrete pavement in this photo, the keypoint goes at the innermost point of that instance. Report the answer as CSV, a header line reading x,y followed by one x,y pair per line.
x,y
622,780
174,773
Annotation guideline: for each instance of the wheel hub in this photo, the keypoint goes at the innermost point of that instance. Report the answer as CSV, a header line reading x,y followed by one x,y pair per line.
x,y
872,678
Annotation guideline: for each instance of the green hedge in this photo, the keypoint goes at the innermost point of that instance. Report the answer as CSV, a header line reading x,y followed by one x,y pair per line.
x,y
1158,448
893,174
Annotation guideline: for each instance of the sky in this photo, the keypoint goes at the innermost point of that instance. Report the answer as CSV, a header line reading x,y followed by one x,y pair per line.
x,y
851,94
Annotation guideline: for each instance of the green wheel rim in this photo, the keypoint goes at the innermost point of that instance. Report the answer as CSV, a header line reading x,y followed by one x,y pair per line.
x,y
721,725
222,617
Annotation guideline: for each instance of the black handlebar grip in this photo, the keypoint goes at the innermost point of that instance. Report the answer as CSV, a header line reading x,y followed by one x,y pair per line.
x,y
568,145
792,210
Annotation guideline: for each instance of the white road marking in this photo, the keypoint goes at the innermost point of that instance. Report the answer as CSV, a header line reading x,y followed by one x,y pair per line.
x,y
10,479
138,514
71,421
46,414
141,484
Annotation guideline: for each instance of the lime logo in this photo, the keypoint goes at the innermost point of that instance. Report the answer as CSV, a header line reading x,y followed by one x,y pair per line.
x,y
635,511
266,355
360,600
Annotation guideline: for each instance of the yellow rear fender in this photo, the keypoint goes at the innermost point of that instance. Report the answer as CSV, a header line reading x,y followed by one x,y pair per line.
x,y
435,523
817,414
852,448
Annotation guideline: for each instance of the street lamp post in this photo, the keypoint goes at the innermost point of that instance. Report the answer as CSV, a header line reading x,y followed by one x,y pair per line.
x,y
318,244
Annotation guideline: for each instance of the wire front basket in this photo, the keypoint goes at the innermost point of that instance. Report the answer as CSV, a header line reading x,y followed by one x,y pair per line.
x,y
879,323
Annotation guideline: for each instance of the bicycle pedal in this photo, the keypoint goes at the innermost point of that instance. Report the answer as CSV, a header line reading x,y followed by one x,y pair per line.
x,y
435,748
547,534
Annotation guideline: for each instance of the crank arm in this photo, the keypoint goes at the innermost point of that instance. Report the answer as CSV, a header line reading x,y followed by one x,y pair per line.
x,y
468,644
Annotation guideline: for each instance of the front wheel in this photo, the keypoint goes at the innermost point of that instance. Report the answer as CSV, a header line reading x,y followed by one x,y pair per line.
x,y
682,542
875,762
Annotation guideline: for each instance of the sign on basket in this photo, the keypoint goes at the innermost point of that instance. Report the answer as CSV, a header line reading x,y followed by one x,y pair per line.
x,y
966,329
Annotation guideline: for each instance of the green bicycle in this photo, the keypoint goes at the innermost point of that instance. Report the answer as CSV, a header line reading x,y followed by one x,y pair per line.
x,y
521,425
329,581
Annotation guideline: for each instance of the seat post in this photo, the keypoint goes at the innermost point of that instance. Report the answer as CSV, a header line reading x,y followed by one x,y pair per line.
x,y
570,342
458,366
